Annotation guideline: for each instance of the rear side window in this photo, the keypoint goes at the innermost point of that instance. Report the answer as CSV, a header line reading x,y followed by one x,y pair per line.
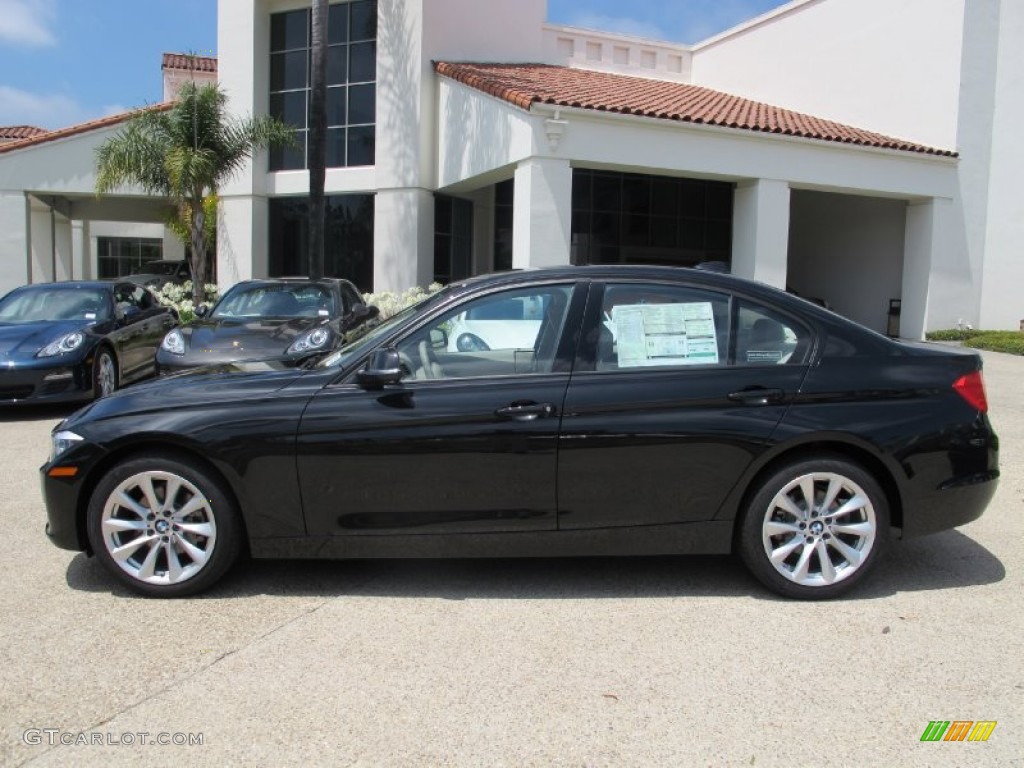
x,y
767,337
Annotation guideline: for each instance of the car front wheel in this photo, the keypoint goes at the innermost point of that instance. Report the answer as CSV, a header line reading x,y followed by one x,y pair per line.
x,y
164,526
104,373
814,528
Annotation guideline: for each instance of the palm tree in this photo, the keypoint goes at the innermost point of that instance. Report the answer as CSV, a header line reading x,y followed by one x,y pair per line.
x,y
317,136
185,152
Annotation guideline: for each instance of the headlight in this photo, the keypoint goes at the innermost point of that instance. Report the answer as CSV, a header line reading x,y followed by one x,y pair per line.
x,y
310,341
62,441
69,342
174,342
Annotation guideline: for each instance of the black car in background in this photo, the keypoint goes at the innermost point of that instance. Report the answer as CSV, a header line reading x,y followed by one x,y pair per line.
x,y
157,274
77,340
654,411
288,319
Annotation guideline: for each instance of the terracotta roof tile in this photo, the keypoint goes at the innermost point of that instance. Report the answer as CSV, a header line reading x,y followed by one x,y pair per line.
x,y
189,63
15,132
73,130
526,84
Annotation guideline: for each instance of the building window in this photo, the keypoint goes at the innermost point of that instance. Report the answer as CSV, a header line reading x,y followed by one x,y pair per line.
x,y
119,256
622,218
348,238
453,238
504,194
351,83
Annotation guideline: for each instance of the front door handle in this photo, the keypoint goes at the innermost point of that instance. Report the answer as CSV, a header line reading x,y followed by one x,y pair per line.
x,y
526,411
757,396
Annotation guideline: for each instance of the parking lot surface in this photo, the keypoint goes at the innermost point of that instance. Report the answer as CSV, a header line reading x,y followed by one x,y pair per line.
x,y
592,662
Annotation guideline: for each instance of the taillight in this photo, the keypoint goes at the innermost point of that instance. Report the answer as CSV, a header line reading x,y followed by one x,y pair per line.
x,y
971,387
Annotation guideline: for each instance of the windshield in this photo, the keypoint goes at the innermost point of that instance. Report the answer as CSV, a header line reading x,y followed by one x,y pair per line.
x,y
349,352
51,303
270,300
169,268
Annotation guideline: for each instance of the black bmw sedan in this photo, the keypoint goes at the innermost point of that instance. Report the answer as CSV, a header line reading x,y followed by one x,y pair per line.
x,y
76,340
655,411
288,319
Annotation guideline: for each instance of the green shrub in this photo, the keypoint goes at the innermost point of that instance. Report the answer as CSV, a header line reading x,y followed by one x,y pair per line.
x,y
1010,342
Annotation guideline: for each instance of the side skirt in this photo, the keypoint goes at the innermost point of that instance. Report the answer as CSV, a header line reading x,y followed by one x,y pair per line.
x,y
706,538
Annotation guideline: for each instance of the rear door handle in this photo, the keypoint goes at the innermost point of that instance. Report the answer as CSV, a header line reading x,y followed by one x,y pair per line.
x,y
526,411
757,396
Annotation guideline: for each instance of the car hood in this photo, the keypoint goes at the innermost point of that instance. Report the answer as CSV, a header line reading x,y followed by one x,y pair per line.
x,y
22,341
235,383
249,338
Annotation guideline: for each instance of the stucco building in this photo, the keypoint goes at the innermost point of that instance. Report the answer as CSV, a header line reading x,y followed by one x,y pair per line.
x,y
861,151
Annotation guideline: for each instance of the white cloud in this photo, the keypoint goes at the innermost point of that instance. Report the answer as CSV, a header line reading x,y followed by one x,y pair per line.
x,y
617,24
27,22
43,110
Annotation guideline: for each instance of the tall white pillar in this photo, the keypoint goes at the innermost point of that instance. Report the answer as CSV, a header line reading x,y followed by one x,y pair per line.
x,y
242,235
760,231
63,248
403,239
81,251
41,244
932,293
14,240
542,214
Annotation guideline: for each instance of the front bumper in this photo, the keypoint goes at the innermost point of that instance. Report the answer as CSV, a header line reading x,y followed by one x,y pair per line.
x,y
70,382
66,497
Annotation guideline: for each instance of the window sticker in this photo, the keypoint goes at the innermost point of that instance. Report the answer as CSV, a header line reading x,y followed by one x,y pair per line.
x,y
665,334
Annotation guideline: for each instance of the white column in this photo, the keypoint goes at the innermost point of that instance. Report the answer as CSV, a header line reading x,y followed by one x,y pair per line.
x,y
760,231
403,239
932,291
63,248
242,235
81,251
14,240
173,247
542,218
41,239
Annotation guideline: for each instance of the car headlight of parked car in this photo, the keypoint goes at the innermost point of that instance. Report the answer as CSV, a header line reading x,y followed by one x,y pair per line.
x,y
310,341
174,342
62,441
69,342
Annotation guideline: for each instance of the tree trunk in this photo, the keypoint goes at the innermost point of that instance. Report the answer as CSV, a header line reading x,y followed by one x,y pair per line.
x,y
317,159
198,263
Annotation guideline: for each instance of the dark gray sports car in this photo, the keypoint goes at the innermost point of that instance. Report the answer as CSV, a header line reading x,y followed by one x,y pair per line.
x,y
288,319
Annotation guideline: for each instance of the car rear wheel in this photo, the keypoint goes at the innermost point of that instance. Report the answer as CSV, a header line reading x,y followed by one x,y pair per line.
x,y
814,528
104,373
164,526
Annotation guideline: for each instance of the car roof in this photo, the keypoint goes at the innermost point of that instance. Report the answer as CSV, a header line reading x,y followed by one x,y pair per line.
x,y
69,284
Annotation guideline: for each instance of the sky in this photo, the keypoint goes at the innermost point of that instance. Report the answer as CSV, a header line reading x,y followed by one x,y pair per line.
x,y
67,61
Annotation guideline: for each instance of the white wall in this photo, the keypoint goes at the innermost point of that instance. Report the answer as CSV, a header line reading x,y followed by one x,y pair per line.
x,y
848,250
1002,299
891,66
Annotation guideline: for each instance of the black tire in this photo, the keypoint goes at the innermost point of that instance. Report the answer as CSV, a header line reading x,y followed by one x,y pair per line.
x,y
818,554
184,545
104,373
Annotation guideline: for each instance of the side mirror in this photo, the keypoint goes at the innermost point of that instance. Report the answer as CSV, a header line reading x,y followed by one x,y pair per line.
x,y
201,311
439,339
360,314
384,367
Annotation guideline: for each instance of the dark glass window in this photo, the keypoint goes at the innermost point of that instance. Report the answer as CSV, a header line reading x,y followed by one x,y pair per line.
x,y
504,194
118,256
453,238
351,80
634,219
348,237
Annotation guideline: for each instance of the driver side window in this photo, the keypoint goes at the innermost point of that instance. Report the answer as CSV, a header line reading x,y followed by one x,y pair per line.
x,y
502,334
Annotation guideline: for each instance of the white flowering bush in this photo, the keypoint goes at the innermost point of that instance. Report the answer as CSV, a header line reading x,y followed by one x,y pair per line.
x,y
179,297
391,303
